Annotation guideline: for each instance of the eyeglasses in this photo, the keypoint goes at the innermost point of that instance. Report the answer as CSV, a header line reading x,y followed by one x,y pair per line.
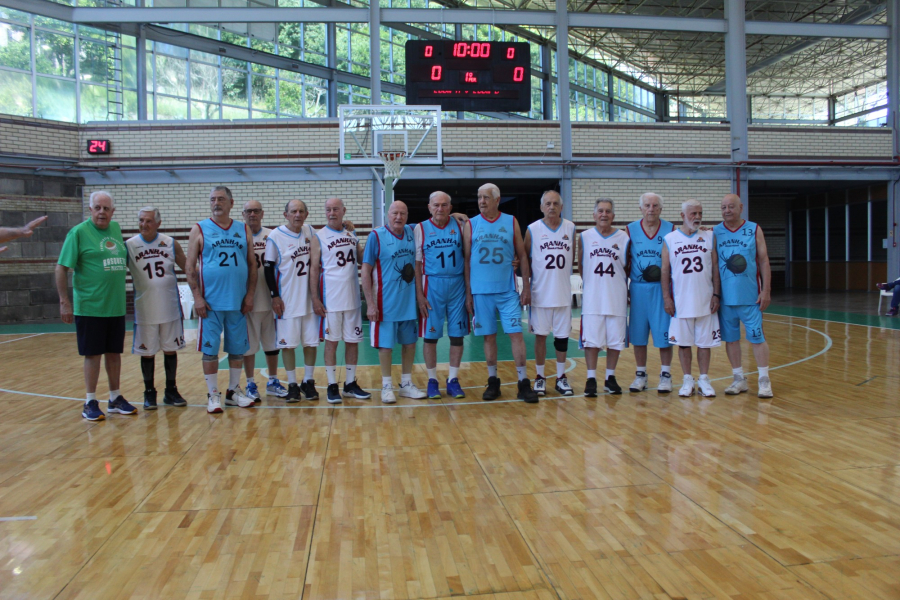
x,y
253,211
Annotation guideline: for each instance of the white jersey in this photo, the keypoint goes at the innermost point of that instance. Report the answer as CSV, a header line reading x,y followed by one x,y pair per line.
x,y
262,302
552,257
339,278
690,259
603,260
290,253
152,266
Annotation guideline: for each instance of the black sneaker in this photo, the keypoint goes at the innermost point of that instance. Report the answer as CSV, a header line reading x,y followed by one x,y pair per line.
x,y
590,388
333,394
493,389
150,400
526,393
293,394
173,398
352,390
308,388
612,385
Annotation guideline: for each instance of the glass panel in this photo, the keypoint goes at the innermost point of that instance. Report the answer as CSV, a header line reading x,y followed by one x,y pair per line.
x,y
15,93
291,98
231,112
204,110
837,233
859,231
234,87
14,15
92,61
316,93
204,83
55,54
263,93
170,108
15,47
93,103
130,107
817,234
171,76
129,68
55,99
798,235
53,24
879,230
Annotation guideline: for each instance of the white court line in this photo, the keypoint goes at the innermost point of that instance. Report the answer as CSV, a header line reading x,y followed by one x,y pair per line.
x,y
18,518
22,338
828,345
835,322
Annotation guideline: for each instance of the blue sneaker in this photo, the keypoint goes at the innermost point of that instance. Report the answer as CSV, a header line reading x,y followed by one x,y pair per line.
x,y
434,389
120,405
454,390
274,388
252,391
92,412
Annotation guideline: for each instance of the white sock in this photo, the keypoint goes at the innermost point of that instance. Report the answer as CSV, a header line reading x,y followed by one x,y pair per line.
x,y
432,373
591,374
212,383
272,376
539,369
641,369
234,377
309,372
250,380
560,369
91,397
738,373
350,373
492,371
454,372
521,372
386,382
331,372
292,376
610,373
406,379
113,394
665,369
704,376
763,371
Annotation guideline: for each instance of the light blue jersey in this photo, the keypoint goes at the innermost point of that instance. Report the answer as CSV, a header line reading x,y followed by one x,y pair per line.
x,y
223,264
737,263
493,250
646,252
394,272
439,249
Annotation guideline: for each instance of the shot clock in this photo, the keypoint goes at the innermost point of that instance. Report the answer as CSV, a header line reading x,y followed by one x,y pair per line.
x,y
469,76
98,147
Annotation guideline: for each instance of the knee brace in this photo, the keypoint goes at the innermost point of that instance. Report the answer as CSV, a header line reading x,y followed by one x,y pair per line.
x,y
561,344
429,341
210,358
456,341
232,357
272,353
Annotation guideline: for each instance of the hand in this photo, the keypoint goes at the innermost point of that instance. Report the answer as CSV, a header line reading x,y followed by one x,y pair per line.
x,y
714,304
65,312
470,304
247,304
372,313
348,225
200,307
28,229
318,307
278,306
525,296
3,248
763,300
424,305
669,306
515,262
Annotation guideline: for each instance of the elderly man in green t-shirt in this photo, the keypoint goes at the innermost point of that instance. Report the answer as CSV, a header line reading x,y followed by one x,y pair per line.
x,y
95,251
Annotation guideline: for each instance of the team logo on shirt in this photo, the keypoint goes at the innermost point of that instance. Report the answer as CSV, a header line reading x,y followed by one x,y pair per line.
x,y
237,235
700,239
565,237
142,347
502,230
282,342
452,232
110,245
162,245
432,330
672,338
207,345
615,246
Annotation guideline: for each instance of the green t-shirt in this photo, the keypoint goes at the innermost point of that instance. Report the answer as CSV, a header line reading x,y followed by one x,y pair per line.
x,y
98,258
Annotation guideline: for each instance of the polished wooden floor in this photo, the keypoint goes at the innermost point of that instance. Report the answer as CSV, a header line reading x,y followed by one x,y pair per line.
x,y
634,496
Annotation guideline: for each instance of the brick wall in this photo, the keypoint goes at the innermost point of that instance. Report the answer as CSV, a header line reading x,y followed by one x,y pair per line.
x,y
621,139
819,142
38,137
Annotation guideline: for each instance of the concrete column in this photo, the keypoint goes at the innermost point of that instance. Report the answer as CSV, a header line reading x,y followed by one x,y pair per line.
x,y
331,62
141,74
893,81
562,102
375,49
736,93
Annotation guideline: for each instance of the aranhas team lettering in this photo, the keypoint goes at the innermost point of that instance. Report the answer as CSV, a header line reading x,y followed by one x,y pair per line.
x,y
151,253
596,252
229,242
342,241
689,249
555,245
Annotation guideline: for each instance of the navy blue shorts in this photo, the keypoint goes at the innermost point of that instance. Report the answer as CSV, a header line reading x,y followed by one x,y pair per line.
x,y
100,335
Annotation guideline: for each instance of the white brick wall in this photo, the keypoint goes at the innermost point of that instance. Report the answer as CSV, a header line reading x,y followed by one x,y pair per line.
x,y
38,137
617,139
626,193
820,142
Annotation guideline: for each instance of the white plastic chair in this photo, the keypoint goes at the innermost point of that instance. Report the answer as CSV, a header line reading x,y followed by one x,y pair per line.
x,y
884,294
187,300
577,287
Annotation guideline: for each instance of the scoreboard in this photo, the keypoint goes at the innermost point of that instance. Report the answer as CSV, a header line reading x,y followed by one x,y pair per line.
x,y
469,76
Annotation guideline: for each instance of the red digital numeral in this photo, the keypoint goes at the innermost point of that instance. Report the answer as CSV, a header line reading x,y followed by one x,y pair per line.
x,y
436,73
429,51
519,74
470,77
510,53
97,147
473,50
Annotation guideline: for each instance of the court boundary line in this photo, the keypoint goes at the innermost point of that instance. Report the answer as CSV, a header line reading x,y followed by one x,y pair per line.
x,y
828,345
21,338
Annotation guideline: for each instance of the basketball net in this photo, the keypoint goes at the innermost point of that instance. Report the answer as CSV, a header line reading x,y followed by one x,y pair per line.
x,y
393,163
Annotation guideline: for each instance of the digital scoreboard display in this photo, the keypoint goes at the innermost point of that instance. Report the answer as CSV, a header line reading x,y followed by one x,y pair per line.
x,y
469,76
98,147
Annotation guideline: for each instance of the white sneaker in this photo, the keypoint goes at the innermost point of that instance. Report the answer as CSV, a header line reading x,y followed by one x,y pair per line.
x,y
765,388
213,403
706,388
665,383
238,398
737,386
639,384
687,388
410,390
387,395
540,385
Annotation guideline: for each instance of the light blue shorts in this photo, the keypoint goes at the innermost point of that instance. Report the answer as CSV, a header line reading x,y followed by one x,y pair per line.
x,y
488,306
233,323
731,317
647,314
447,297
387,334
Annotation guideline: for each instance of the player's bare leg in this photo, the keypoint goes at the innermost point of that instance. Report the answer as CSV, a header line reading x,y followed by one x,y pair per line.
x,y
92,372
733,350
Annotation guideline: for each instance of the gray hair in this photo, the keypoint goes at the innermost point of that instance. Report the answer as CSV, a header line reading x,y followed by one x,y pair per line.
x,y
612,205
222,188
544,195
150,209
433,194
338,199
691,202
647,195
287,205
495,191
97,194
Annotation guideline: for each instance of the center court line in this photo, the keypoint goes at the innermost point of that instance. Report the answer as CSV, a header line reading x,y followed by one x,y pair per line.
x,y
828,345
18,518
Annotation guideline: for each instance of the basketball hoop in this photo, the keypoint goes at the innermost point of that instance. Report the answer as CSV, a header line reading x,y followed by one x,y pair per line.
x,y
393,162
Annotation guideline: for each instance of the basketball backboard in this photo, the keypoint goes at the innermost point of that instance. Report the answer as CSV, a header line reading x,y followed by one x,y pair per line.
x,y
367,130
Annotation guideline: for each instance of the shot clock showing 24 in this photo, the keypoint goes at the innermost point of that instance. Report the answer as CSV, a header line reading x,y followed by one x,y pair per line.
x,y
470,76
